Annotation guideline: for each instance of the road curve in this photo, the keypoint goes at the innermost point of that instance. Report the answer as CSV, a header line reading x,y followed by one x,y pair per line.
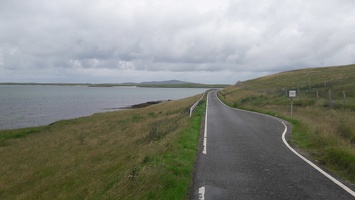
x,y
242,156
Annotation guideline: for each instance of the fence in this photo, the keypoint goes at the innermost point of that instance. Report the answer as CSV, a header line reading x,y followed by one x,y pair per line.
x,y
196,103
336,97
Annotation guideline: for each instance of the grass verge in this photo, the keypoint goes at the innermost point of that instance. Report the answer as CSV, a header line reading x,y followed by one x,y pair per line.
x,y
145,153
176,164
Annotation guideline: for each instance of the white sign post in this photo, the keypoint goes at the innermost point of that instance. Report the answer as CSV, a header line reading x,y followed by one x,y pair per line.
x,y
292,94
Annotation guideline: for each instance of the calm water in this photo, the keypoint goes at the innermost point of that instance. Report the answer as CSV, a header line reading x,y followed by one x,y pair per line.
x,y
27,106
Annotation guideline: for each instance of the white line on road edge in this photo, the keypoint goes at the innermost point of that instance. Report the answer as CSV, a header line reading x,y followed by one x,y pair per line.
x,y
201,193
315,166
205,132
299,155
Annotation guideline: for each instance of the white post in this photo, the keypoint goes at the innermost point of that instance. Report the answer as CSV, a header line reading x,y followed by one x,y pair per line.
x,y
292,94
291,107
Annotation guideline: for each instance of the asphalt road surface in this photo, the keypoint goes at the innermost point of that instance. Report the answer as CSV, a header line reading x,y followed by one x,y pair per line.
x,y
242,156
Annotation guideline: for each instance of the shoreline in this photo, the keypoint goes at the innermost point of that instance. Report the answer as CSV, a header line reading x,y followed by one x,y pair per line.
x,y
143,105
134,106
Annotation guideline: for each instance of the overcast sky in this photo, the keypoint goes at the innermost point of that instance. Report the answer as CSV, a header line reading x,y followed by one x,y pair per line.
x,y
207,41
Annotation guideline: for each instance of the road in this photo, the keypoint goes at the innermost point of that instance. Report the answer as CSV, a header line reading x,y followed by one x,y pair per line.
x,y
242,156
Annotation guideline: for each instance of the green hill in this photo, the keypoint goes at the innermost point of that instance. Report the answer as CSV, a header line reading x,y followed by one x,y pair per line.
x,y
324,110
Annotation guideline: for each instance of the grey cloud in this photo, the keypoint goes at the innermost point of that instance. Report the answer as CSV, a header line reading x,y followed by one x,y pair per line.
x,y
245,38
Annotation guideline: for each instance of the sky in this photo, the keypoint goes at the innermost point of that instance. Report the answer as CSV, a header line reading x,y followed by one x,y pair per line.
x,y
204,41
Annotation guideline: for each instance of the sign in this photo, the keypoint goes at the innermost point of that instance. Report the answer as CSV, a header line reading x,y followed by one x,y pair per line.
x,y
292,93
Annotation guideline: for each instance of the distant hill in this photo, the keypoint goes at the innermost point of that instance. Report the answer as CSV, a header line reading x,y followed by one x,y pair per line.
x,y
179,84
171,82
164,84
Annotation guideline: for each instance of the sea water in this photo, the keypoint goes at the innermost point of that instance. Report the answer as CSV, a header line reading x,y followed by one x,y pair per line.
x,y
29,105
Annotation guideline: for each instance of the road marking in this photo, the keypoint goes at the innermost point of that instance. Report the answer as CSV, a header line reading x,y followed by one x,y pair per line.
x,y
315,166
201,193
205,132
351,192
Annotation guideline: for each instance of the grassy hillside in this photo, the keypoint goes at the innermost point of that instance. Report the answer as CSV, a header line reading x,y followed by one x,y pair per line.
x,y
145,153
324,110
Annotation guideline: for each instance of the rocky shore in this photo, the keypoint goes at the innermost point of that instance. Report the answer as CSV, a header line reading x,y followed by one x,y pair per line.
x,y
142,105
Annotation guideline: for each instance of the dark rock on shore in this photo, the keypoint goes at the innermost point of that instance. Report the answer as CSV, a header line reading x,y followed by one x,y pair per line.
x,y
142,105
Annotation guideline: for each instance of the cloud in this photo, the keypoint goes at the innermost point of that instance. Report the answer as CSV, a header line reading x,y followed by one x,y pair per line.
x,y
225,41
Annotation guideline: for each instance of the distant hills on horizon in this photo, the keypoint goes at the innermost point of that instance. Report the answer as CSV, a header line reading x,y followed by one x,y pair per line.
x,y
166,83
175,82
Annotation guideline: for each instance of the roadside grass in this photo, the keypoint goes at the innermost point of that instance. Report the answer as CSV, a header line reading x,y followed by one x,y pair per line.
x,y
322,125
12,134
145,153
